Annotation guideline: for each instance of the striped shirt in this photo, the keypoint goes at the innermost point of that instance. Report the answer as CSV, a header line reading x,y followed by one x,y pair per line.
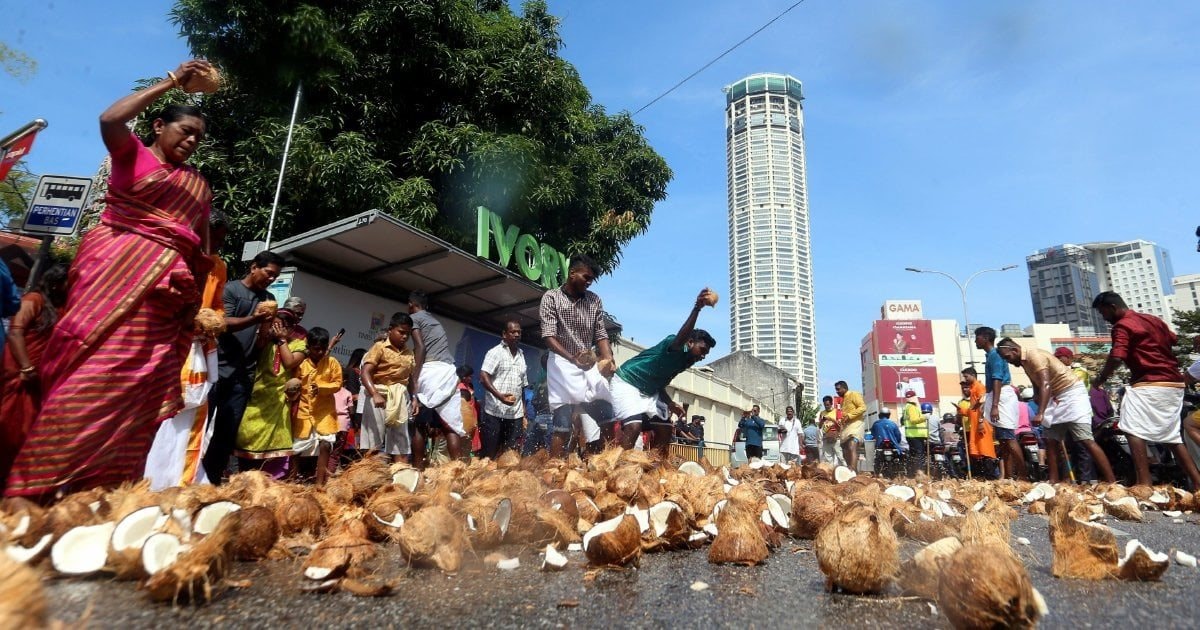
x,y
577,323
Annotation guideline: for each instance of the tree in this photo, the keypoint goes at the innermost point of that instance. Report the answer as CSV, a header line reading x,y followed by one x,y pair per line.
x,y
15,192
1187,326
423,108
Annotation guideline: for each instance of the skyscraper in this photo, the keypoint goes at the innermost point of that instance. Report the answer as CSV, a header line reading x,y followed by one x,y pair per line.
x,y
770,261
1063,281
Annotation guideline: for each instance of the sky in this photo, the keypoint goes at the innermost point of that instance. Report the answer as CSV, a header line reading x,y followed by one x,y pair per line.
x,y
940,135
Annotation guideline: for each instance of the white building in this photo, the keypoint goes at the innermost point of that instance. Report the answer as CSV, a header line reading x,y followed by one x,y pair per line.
x,y
770,261
1187,292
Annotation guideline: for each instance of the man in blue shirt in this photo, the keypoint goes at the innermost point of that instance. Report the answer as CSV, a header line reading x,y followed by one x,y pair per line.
x,y
751,427
812,442
885,429
1000,405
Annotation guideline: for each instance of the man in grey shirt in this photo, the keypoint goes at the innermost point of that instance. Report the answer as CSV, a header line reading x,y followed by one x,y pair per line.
x,y
438,404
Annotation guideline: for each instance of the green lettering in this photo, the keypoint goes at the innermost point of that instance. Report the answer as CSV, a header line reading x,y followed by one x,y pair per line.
x,y
549,262
483,220
527,261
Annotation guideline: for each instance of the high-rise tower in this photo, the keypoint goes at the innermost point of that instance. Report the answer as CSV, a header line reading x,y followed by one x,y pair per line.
x,y
770,261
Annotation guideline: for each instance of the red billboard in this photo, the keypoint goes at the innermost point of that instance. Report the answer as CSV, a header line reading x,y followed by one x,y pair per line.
x,y
895,381
905,337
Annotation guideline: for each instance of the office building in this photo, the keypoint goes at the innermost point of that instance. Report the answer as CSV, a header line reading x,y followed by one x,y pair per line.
x,y
1063,281
770,261
1187,292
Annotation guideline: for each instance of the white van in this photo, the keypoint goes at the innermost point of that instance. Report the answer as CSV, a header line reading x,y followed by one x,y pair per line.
x,y
770,447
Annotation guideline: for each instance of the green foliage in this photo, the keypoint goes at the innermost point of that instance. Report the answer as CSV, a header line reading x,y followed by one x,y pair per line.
x,y
1187,326
15,192
808,411
15,63
422,108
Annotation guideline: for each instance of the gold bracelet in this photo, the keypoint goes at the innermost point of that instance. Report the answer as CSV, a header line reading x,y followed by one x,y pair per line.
x,y
28,370
174,79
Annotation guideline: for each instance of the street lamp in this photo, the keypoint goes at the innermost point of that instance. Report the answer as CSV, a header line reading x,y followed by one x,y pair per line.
x,y
962,289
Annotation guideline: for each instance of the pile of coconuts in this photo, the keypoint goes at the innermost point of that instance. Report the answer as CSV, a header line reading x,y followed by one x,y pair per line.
x,y
183,545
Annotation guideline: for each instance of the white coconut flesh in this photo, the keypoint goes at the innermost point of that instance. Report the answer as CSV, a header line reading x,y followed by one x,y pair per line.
x,y
790,485
1039,603
509,564
978,507
133,530
554,559
183,518
160,551
1040,492
407,478
22,526
398,520
904,493
945,494
660,515
25,554
729,480
779,509
603,527
1172,514
209,516
697,537
1131,548
456,496
1185,559
575,547
717,510
319,573
758,463
766,518
711,529
642,516
503,515
82,550
1159,498
692,468
842,474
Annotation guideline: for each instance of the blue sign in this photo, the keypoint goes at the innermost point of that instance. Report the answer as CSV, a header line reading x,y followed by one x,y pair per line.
x,y
56,206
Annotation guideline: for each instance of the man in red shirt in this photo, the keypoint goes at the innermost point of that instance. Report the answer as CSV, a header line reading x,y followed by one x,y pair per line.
x,y
1154,399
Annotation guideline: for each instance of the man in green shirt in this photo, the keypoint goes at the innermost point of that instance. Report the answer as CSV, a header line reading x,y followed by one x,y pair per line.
x,y
639,394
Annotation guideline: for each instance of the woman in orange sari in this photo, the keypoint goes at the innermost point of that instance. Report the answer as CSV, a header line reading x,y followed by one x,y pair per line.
x,y
111,373
27,337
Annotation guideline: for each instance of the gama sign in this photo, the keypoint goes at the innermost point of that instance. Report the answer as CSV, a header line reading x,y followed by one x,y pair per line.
x,y
538,262
901,309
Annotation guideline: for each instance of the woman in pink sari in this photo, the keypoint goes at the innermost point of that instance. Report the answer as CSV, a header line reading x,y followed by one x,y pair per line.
x,y
112,364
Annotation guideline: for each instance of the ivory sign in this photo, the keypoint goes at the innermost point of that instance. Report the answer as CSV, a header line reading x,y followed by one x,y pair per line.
x,y
538,262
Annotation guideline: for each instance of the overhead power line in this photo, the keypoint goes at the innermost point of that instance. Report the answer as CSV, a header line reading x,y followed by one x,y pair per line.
x,y
720,56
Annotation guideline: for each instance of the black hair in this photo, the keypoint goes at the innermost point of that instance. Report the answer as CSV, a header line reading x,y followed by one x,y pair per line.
x,y
264,258
699,334
1007,342
399,319
318,337
790,407
1109,298
987,332
842,383
827,399
465,370
418,297
970,370
55,276
510,322
355,358
583,260
173,113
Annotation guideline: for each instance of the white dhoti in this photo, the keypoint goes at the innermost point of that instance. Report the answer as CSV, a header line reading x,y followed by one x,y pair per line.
x,y
386,429
180,443
437,389
566,384
629,402
1010,415
1151,412
311,445
1072,406
589,428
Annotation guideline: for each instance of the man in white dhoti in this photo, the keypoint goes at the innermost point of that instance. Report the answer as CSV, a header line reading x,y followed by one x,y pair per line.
x,y
1154,399
572,323
435,383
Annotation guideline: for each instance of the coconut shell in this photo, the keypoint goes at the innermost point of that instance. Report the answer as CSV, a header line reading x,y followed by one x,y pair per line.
x,y
1142,565
197,575
299,515
978,527
617,544
986,586
367,475
22,600
1037,507
341,551
267,307
433,536
1082,550
857,551
1125,509
204,81
811,510
586,359
625,482
610,505
740,532
210,323
256,532
919,576
554,527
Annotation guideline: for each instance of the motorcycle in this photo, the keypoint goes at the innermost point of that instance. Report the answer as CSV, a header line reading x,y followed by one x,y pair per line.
x,y
1112,441
887,458
1029,446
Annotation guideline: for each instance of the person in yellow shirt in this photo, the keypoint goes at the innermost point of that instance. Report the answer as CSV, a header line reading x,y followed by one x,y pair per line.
x,y
314,425
854,428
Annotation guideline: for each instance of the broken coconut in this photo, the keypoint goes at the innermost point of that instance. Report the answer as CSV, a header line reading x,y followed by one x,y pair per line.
x,y
857,551
1125,509
208,517
82,550
125,553
197,574
1140,564
159,552
1082,549
554,560
919,576
433,536
986,586
615,542
842,474
811,510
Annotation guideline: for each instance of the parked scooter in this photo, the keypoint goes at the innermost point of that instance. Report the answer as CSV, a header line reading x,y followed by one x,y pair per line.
x,y
887,459
1029,446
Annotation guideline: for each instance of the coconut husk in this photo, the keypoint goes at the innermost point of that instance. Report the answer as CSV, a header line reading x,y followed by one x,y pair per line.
x,y
668,527
1125,509
209,323
986,586
255,532
1037,507
857,551
605,461
1142,565
575,482
204,81
999,510
23,521
919,576
339,491
197,575
614,543
67,515
978,527
266,307
367,475
508,460
586,359
1082,550
625,482
388,502
610,505
587,508
341,551
740,538
554,527
929,531
248,487
433,536
300,515
22,600
812,509
703,494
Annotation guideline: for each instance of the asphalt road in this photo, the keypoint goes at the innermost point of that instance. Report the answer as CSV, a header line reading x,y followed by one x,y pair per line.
x,y
785,592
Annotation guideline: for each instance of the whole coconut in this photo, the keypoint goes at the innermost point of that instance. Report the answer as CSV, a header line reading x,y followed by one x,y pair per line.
x,y
255,532
857,551
986,586
299,514
811,510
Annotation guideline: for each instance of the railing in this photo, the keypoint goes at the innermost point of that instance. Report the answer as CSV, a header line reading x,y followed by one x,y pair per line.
x,y
717,453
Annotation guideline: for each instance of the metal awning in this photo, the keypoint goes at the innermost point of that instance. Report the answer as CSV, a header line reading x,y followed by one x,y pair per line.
x,y
381,255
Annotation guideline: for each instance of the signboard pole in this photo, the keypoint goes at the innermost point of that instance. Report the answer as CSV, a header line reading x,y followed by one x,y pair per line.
x,y
40,264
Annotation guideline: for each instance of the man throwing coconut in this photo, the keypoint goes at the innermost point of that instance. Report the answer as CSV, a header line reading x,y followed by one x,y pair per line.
x,y
1063,405
1154,399
639,393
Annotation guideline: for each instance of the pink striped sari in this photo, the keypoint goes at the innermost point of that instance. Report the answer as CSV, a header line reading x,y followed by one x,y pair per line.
x,y
113,362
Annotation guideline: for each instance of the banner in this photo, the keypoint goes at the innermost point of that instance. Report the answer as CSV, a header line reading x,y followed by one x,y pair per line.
x,y
895,381
18,150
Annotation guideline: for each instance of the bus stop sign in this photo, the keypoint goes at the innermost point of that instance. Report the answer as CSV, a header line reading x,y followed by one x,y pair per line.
x,y
57,205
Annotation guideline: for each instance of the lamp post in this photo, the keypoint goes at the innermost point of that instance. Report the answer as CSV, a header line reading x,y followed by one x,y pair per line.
x,y
962,289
